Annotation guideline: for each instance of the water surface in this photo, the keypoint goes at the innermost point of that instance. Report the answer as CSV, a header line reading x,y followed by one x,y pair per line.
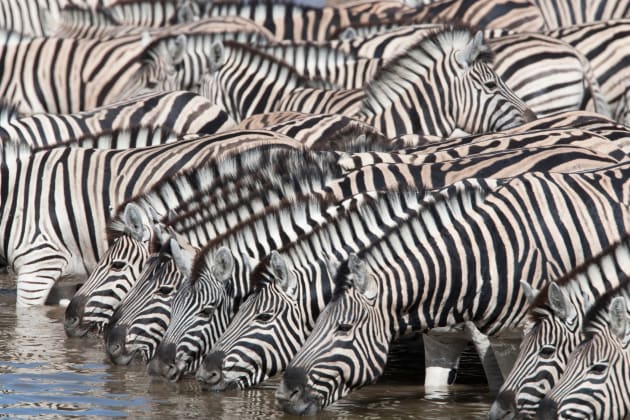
x,y
44,373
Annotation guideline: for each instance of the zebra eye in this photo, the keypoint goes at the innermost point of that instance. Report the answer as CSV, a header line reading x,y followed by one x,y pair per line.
x,y
264,317
118,265
598,368
344,328
165,290
546,352
207,311
490,85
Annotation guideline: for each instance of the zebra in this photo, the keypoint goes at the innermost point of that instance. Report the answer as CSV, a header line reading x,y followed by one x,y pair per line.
x,y
238,187
602,44
245,82
514,58
148,300
379,297
261,339
43,244
189,334
109,71
594,382
554,329
181,112
403,97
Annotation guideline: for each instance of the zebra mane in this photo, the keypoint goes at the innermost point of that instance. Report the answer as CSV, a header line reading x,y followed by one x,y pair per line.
x,y
241,233
342,281
8,112
392,80
13,151
355,138
542,297
251,51
601,306
472,189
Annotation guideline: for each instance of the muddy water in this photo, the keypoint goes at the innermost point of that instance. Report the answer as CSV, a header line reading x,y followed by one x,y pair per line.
x,y
44,373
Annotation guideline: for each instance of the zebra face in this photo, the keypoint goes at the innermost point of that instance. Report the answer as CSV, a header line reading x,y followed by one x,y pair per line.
x,y
483,102
553,332
594,384
346,350
117,271
139,323
200,311
266,332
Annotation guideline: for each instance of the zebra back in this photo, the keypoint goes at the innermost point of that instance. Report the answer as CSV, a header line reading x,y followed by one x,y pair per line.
x,y
601,43
175,113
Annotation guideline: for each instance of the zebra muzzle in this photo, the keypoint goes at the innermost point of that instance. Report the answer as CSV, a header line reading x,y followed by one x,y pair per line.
x,y
210,373
74,317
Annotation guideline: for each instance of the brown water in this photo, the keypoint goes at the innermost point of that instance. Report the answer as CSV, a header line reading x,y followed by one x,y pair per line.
x,y
44,373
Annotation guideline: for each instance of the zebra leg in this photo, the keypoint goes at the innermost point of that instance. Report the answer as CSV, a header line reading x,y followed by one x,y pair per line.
x,y
441,357
37,270
486,354
506,348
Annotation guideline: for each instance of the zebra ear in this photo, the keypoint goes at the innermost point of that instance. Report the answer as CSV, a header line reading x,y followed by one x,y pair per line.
x,y
134,221
348,34
183,259
216,58
529,292
471,51
618,316
362,281
223,264
279,267
188,12
176,48
559,302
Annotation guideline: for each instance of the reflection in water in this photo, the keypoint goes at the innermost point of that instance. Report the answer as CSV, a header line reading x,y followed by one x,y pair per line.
x,y
44,373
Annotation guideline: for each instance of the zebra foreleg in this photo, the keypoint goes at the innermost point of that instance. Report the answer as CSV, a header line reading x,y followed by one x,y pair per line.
x,y
486,355
441,357
506,349
37,273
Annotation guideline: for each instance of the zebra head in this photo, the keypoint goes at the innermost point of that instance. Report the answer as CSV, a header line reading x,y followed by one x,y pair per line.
x,y
266,332
116,272
346,349
595,382
444,83
480,100
200,312
553,331
138,324
160,66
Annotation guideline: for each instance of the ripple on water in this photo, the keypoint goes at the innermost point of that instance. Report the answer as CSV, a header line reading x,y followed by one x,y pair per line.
x,y
44,373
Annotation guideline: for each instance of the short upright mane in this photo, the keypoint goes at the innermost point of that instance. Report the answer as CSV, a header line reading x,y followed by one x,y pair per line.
x,y
400,74
542,298
602,304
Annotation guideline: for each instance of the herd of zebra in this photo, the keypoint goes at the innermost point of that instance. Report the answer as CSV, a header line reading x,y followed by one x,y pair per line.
x,y
238,190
